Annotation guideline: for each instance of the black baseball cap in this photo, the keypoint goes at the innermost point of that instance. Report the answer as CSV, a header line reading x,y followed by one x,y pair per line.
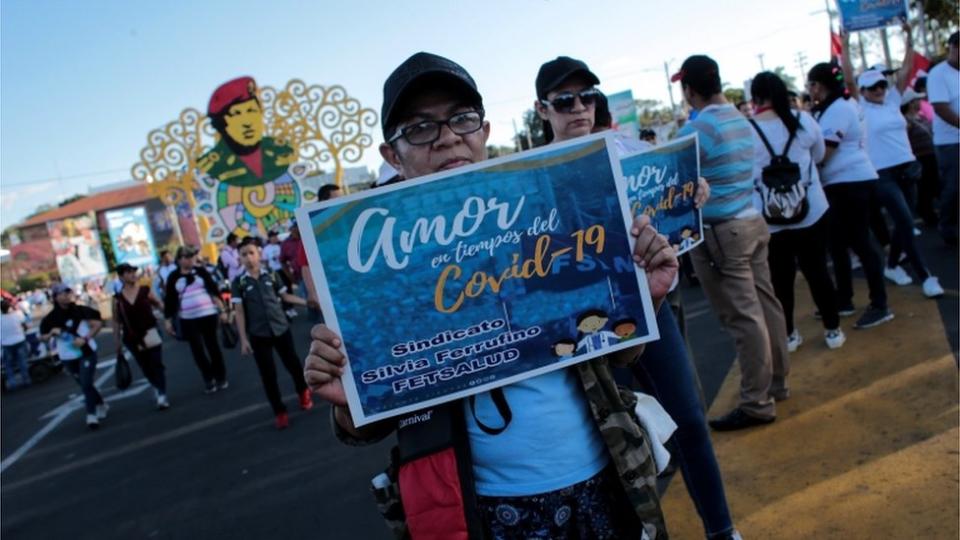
x,y
123,268
416,73
697,66
553,73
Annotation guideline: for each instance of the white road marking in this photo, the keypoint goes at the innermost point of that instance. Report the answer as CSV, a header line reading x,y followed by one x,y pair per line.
x,y
74,402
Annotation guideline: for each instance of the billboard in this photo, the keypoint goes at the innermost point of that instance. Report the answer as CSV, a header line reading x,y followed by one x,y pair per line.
x,y
76,248
130,235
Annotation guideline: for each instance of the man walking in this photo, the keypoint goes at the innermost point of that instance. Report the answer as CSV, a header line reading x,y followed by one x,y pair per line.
x,y
263,326
732,262
943,91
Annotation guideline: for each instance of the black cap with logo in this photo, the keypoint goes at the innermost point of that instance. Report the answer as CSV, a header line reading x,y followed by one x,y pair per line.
x,y
553,73
416,73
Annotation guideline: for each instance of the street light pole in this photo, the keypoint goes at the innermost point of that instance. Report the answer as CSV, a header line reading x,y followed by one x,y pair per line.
x,y
673,105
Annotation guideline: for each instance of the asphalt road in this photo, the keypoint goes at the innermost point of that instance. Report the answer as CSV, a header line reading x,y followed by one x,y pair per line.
x,y
213,466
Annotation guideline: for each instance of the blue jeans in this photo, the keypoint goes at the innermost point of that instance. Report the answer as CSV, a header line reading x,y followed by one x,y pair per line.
x,y
949,162
666,373
83,370
15,357
890,196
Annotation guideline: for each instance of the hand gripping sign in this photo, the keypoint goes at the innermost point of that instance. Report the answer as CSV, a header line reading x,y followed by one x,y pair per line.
x,y
464,281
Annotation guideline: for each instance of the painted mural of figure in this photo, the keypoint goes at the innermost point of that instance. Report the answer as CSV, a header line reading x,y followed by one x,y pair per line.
x,y
246,173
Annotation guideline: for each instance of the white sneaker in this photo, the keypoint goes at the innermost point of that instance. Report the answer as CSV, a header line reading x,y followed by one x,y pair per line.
x,y
932,288
897,275
835,338
102,411
794,340
162,402
92,421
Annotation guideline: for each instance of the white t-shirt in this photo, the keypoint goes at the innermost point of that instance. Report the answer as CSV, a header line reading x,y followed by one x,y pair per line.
x,y
943,86
11,328
887,142
842,124
806,150
271,254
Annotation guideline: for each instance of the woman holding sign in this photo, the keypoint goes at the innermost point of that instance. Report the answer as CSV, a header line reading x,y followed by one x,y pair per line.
x,y
552,456
799,239
566,100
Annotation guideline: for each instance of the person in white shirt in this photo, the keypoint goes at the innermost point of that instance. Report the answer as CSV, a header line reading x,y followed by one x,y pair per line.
x,y
803,243
897,168
14,342
943,92
271,252
849,181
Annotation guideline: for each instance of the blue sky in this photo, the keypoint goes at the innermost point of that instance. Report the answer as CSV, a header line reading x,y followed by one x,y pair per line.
x,y
82,83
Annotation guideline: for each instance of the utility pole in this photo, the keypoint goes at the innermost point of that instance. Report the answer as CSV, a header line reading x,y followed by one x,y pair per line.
x,y
673,105
802,64
886,48
760,56
516,136
863,53
922,22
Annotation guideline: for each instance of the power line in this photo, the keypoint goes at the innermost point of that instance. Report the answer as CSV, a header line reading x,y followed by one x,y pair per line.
x,y
59,178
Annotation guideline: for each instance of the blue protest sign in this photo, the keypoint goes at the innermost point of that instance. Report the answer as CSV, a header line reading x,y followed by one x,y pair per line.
x,y
661,183
866,14
460,282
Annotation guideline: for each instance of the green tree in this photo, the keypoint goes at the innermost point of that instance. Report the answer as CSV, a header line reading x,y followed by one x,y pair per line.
x,y
787,79
651,112
532,131
499,150
734,95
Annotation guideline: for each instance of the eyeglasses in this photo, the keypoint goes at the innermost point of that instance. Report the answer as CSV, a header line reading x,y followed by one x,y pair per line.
x,y
882,85
564,102
428,131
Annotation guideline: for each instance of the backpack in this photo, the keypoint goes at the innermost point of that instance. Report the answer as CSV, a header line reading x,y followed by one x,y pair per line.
x,y
783,194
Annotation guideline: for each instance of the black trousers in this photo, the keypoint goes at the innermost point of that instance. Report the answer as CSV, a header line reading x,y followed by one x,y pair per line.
x,y
151,364
807,249
203,332
928,189
263,348
849,220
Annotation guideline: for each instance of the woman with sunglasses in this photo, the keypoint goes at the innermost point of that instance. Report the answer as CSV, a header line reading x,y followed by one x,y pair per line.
x,y
889,149
803,243
567,103
849,181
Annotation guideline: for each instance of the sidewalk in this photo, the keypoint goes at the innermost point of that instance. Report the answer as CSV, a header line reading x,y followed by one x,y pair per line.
x,y
867,446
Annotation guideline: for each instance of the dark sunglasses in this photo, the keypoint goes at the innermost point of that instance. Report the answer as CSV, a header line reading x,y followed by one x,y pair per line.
x,y
428,131
882,85
564,102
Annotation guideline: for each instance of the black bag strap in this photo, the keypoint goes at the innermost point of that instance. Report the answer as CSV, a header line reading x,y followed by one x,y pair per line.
x,y
119,300
766,142
500,401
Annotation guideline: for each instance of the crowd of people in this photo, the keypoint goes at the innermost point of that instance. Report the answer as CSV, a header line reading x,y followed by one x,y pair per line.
x,y
185,296
789,181
793,187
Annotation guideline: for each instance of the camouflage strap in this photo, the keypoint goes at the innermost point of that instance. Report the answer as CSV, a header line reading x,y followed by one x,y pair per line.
x,y
627,441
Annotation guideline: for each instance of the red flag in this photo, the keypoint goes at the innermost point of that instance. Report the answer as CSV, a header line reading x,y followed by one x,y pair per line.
x,y
836,46
920,63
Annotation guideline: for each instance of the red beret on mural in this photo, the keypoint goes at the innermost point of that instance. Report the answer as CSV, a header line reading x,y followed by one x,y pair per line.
x,y
235,91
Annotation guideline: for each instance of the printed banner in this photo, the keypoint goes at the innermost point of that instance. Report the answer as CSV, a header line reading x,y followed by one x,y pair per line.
x,y
661,183
460,282
76,247
130,235
866,14
623,111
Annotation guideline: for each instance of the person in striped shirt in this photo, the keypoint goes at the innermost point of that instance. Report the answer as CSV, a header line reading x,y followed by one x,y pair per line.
x,y
193,296
732,261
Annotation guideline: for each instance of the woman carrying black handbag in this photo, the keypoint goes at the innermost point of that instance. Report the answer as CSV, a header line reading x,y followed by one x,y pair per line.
x,y
134,322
